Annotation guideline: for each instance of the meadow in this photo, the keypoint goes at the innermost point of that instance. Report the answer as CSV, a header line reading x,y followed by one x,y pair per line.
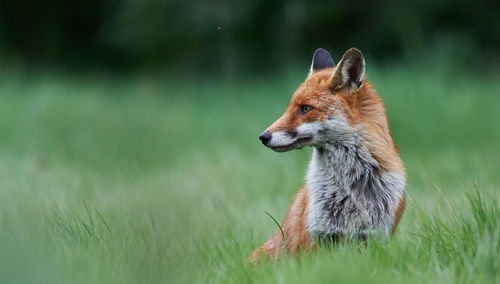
x,y
153,179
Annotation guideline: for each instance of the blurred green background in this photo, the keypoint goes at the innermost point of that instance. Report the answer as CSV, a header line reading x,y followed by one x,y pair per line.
x,y
129,150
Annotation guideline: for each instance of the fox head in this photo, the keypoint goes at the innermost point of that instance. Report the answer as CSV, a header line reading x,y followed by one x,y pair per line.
x,y
324,108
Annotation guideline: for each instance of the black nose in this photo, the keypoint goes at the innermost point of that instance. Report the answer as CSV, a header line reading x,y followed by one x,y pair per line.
x,y
265,137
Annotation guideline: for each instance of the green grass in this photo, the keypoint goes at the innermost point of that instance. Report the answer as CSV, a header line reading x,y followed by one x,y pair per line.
x,y
149,179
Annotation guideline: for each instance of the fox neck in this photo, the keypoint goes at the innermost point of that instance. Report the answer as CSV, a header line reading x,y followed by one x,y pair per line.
x,y
350,193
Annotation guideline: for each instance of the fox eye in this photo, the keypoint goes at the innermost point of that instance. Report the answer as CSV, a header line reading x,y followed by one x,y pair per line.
x,y
305,108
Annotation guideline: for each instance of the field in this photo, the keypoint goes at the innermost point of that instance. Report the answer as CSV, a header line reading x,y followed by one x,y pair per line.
x,y
149,179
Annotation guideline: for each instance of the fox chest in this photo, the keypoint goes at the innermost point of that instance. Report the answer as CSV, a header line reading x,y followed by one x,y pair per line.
x,y
353,201
336,213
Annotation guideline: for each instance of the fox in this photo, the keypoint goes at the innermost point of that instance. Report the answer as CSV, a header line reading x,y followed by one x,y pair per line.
x,y
355,183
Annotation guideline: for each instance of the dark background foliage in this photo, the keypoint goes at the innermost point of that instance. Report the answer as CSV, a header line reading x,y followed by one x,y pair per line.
x,y
240,37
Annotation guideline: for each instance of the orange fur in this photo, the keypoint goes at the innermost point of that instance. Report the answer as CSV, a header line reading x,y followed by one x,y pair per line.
x,y
399,213
294,229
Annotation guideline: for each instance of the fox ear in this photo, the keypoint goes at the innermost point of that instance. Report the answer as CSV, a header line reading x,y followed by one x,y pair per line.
x,y
350,72
321,60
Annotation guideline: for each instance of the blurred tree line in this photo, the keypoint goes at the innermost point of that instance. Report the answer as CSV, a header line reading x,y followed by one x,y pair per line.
x,y
223,36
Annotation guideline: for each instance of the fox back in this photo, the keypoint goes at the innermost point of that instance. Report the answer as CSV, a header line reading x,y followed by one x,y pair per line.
x,y
355,184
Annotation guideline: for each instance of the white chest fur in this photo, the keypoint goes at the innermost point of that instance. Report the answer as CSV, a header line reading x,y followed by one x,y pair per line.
x,y
349,194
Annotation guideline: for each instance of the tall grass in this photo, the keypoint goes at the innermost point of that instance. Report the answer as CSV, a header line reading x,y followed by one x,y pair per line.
x,y
147,179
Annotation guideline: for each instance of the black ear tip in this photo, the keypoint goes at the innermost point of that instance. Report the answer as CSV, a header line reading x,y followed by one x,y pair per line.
x,y
322,59
321,50
321,53
354,51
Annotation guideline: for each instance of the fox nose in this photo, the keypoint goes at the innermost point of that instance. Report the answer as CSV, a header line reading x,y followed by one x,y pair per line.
x,y
265,137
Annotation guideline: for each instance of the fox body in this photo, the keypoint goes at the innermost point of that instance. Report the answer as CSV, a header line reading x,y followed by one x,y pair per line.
x,y
355,183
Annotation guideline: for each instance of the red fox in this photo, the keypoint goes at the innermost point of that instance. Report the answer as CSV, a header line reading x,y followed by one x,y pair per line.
x,y
355,183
